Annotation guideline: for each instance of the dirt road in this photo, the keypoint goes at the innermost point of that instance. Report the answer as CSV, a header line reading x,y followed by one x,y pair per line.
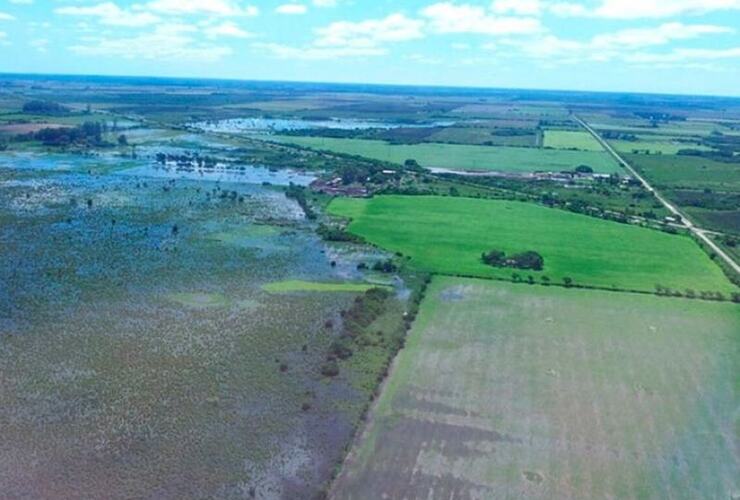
x,y
688,224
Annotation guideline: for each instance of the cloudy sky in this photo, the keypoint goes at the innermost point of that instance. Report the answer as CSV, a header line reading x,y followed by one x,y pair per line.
x,y
674,46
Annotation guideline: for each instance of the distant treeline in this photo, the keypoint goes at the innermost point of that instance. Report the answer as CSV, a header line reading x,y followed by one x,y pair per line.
x,y
86,134
39,107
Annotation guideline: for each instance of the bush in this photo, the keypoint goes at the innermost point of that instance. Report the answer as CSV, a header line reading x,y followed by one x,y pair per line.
x,y
39,107
330,369
525,260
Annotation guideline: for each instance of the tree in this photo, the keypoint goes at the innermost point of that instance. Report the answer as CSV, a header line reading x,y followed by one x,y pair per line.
x,y
568,282
122,140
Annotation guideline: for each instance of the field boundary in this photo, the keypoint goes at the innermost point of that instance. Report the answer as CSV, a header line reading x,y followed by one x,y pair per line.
x,y
693,228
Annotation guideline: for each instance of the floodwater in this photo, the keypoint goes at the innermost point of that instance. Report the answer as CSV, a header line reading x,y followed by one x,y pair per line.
x,y
140,356
238,125
224,173
147,167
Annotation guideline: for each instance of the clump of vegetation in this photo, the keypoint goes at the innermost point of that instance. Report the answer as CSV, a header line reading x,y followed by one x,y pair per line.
x,y
335,233
525,260
87,134
39,107
385,266
298,193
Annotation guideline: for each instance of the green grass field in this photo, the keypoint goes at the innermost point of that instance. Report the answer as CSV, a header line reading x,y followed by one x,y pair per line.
x,y
571,139
459,156
447,235
513,391
482,135
656,145
688,172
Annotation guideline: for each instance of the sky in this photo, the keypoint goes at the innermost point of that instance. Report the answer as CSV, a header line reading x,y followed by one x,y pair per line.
x,y
665,46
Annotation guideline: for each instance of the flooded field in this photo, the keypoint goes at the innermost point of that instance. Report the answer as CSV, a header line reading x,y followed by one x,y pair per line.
x,y
238,125
140,356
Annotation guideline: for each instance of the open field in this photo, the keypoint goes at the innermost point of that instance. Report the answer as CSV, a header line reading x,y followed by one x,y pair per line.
x,y
688,172
571,139
483,136
516,391
447,235
646,144
461,157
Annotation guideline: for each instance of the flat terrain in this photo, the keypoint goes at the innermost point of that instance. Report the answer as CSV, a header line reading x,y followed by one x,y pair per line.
x,y
517,391
571,139
461,157
656,145
447,235
688,171
140,355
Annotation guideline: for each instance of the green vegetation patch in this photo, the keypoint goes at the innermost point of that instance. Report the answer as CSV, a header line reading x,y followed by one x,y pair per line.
x,y
486,136
688,171
511,391
314,286
655,145
448,235
461,156
571,139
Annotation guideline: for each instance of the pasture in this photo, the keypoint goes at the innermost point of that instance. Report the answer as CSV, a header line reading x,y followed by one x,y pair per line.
x,y
460,156
447,235
690,172
658,145
571,139
485,136
513,391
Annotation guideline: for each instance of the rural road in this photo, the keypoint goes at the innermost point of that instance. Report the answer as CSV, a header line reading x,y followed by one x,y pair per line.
x,y
699,232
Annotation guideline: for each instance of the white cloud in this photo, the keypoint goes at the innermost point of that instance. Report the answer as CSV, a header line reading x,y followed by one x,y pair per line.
x,y
324,3
448,17
111,14
567,9
226,29
665,33
518,7
206,7
312,53
291,9
619,45
370,33
168,42
6,17
21,2
642,9
684,55
351,39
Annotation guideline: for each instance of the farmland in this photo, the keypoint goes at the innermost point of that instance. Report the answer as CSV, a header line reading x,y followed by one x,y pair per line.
x,y
461,157
569,139
513,391
688,172
205,285
439,235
